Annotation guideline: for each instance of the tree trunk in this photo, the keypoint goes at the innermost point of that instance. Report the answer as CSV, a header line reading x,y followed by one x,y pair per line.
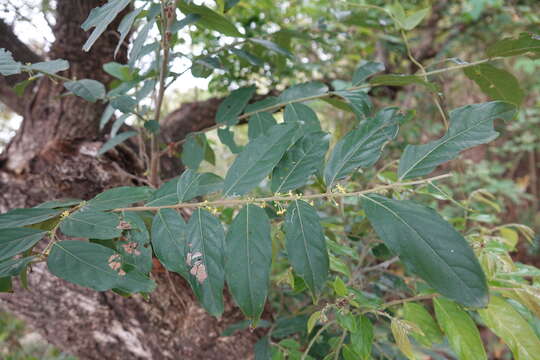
x,y
54,155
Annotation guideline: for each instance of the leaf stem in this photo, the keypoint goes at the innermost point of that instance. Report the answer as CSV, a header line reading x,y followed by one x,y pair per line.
x,y
239,202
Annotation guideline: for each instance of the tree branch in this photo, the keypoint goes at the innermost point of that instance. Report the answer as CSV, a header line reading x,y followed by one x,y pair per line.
x,y
20,52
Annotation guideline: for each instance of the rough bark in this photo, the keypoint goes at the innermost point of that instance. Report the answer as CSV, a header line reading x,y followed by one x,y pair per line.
x,y
20,52
54,155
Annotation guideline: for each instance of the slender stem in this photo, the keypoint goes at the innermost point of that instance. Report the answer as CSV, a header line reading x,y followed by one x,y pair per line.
x,y
402,301
168,16
312,342
382,265
340,344
238,202
423,72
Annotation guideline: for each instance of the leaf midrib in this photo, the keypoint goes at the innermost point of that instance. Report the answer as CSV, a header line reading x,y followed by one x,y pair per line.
x,y
491,118
304,242
253,163
167,228
420,236
355,149
294,168
248,256
109,273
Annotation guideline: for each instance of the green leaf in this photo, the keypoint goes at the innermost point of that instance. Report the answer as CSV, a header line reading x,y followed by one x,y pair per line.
x,y
209,19
400,331
106,116
233,105
272,46
205,259
470,125
306,245
169,240
512,328
192,184
165,195
6,285
91,265
58,203
229,4
119,71
152,126
358,100
302,92
365,70
89,90
14,267
124,103
303,115
417,314
258,159
269,101
23,217
21,86
362,147
460,329
339,287
259,123
118,139
125,26
189,19
262,349
8,66
117,124
89,223
362,339
312,321
525,43
430,247
204,66
226,136
496,83
119,197
412,20
248,254
137,47
286,326
49,67
250,58
16,240
100,18
193,150
401,80
301,161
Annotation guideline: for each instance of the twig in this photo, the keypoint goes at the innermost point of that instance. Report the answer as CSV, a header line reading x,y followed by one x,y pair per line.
x,y
168,17
401,301
424,74
312,342
237,202
382,265
340,344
